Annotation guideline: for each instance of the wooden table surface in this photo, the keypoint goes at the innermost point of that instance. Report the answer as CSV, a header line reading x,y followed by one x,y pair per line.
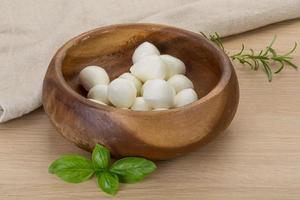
x,y
257,157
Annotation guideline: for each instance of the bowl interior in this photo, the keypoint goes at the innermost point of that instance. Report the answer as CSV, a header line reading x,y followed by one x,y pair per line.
x,y
112,48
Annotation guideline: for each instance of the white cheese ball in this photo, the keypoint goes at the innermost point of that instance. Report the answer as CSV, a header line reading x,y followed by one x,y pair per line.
x,y
136,82
158,94
121,93
160,109
143,50
185,97
173,90
96,101
148,68
142,90
173,65
180,82
99,93
93,75
140,105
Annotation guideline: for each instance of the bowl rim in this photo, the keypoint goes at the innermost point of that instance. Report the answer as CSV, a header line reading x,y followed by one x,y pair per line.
x,y
226,69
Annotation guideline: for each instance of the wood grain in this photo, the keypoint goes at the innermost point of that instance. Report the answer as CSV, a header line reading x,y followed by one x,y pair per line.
x,y
258,157
154,135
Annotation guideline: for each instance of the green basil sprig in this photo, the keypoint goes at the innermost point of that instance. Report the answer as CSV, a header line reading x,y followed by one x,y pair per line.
x,y
76,169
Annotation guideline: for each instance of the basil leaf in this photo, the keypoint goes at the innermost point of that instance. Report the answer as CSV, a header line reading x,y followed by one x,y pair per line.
x,y
132,169
100,157
108,182
72,168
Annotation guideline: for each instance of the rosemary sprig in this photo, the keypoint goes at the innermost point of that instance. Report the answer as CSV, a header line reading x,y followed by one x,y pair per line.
x,y
215,38
268,58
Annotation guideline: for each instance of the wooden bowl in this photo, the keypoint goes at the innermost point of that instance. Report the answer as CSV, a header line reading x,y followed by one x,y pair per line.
x,y
150,134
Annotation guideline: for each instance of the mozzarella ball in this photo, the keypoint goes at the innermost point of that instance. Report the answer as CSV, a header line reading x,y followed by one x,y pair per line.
x,y
121,93
180,82
93,75
143,50
140,105
158,94
173,65
99,102
173,90
148,68
142,90
160,109
136,82
184,97
99,92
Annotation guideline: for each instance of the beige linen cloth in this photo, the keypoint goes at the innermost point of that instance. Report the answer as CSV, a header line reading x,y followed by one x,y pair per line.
x,y
32,30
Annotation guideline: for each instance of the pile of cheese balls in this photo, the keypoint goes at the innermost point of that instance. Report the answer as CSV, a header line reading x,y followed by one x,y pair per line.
x,y
155,82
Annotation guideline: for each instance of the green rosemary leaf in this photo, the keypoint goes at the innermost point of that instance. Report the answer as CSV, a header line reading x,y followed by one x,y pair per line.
x,y
270,45
267,70
280,68
273,52
218,39
290,63
249,63
292,50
